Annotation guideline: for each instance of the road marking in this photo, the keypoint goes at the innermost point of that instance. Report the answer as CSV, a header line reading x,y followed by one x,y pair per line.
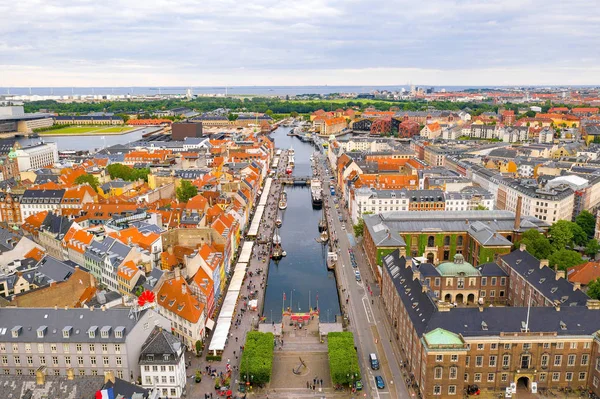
x,y
367,311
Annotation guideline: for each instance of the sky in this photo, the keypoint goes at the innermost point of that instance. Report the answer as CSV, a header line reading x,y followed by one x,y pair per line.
x,y
307,42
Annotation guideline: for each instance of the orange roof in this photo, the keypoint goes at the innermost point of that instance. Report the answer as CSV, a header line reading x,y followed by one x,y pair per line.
x,y
77,239
134,236
197,202
434,126
585,273
335,121
105,211
370,114
34,222
127,270
75,195
68,175
585,110
36,254
211,256
49,185
204,282
159,155
175,295
137,122
387,181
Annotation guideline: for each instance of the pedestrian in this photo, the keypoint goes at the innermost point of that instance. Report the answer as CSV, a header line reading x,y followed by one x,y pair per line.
x,y
307,385
321,382
236,338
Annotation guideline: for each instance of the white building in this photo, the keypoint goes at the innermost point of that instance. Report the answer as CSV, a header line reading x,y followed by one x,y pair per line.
x,y
162,364
37,156
546,136
35,201
377,201
515,134
469,199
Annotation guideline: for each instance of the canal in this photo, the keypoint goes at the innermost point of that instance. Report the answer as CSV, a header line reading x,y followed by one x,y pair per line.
x,y
302,275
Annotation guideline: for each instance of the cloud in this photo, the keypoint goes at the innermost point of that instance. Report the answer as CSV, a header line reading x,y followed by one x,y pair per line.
x,y
189,42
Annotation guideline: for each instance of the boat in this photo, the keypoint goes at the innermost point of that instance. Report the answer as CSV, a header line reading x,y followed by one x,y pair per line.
x,y
291,151
316,193
291,160
288,170
324,237
322,224
283,201
283,253
278,222
276,238
277,252
331,260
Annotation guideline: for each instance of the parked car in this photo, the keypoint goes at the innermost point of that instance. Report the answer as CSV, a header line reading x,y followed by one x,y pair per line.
x,y
379,382
358,385
357,275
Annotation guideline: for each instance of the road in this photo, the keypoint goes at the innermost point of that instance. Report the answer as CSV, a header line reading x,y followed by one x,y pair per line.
x,y
367,321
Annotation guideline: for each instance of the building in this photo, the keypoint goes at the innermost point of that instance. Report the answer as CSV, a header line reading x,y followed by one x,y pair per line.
x,y
103,258
36,156
472,348
177,303
431,130
74,342
162,364
480,236
14,119
181,130
35,201
10,208
88,120
469,199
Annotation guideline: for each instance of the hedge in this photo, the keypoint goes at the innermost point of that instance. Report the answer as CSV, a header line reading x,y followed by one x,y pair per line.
x,y
257,357
343,359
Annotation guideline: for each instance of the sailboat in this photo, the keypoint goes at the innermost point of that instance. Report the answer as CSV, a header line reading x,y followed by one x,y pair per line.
x,y
276,238
324,237
283,201
278,222
322,223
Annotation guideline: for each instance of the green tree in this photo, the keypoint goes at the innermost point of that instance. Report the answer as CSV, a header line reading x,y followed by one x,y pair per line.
x,y
186,190
537,244
359,228
580,238
257,358
561,234
343,359
294,114
565,258
89,179
120,171
125,117
593,289
481,207
592,248
232,117
269,112
587,222
199,347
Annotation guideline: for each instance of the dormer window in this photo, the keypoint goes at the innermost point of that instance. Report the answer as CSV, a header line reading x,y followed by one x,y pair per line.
x,y
119,332
41,332
166,358
92,331
150,357
67,331
16,331
105,332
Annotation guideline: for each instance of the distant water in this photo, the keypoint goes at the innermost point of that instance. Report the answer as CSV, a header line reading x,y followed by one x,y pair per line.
x,y
250,90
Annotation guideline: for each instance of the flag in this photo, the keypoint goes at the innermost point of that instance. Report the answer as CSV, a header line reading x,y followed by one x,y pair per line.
x,y
284,296
107,393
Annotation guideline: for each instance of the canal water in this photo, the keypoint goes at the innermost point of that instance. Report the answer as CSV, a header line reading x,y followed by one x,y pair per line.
x,y
302,275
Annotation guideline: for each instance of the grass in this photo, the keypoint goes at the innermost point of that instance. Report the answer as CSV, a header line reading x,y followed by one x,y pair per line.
x,y
88,130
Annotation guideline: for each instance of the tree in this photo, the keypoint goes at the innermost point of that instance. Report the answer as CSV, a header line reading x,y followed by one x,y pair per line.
x,y
232,117
481,207
120,171
199,347
592,248
565,258
89,179
593,289
359,228
125,117
537,244
343,359
186,190
561,234
587,222
257,358
294,114
580,238
269,112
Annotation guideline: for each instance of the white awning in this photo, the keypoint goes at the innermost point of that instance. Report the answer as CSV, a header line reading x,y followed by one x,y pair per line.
x,y
229,305
258,214
220,335
238,278
246,252
210,324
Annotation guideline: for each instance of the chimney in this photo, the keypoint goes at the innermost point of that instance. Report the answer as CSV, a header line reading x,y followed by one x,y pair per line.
x,y
576,286
517,225
40,376
522,247
424,288
416,274
91,308
560,274
109,376
543,263
170,250
103,308
183,289
593,304
557,306
480,308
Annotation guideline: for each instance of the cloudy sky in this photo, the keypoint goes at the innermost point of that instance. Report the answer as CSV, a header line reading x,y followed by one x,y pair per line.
x,y
303,42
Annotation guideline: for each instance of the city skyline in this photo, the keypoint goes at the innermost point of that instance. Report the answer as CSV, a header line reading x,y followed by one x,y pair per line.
x,y
316,42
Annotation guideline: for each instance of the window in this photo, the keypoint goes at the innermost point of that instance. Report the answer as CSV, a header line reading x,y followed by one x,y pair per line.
x,y
171,368
173,392
104,348
477,377
66,348
506,346
596,381
68,361
53,348
55,360
453,372
105,361
492,293
493,281
573,345
80,360
459,241
146,368
454,358
82,373
28,348
492,361
582,376
437,390
491,377
526,346
92,348
483,281
542,377
585,359
148,380
546,345
557,360
502,281
78,348
569,376
560,345
163,379
172,379
478,361
163,368
120,374
40,348
468,360
29,360
452,390
544,360
503,377
93,360
555,376
571,360
466,377
480,347
586,345
438,373
439,358
505,360
119,361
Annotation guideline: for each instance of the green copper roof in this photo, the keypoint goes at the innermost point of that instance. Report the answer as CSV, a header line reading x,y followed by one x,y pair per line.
x,y
442,337
458,267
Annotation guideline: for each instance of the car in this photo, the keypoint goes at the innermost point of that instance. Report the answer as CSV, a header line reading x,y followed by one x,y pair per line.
x,y
379,382
358,385
343,227
340,218
357,275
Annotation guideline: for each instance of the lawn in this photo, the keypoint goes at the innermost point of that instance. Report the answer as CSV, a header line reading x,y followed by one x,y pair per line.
x,y
88,130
